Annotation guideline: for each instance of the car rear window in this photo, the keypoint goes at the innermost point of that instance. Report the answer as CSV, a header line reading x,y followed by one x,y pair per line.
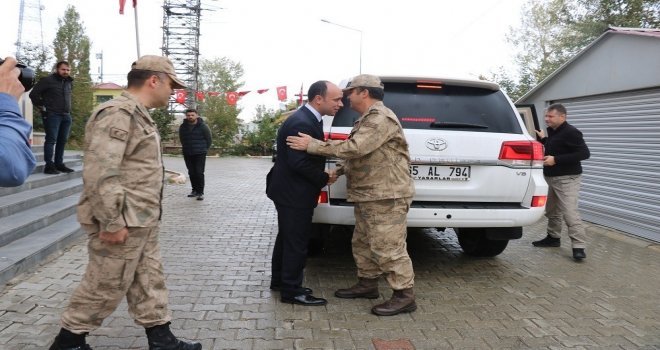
x,y
445,108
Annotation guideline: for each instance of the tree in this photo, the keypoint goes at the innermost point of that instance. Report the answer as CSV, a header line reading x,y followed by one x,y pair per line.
x,y
71,44
553,31
221,75
541,39
259,140
35,56
163,119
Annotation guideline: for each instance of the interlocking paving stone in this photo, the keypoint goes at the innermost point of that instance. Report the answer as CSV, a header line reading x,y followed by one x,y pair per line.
x,y
216,255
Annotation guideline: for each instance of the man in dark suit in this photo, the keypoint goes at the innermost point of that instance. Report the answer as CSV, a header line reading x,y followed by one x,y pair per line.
x,y
294,184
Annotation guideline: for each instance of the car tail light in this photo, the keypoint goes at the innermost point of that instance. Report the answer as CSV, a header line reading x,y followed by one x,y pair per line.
x,y
337,136
522,153
323,197
539,201
425,84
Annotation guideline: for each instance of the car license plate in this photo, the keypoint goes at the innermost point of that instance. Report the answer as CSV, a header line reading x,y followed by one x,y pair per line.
x,y
437,172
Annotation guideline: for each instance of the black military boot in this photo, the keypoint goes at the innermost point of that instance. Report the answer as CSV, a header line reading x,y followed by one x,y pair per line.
x,y
161,338
70,341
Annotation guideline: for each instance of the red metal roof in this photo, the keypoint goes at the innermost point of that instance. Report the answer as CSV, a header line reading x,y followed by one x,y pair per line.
x,y
636,31
107,86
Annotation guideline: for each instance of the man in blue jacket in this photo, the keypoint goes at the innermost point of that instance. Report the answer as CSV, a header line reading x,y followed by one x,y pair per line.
x,y
52,95
564,150
195,137
16,158
294,184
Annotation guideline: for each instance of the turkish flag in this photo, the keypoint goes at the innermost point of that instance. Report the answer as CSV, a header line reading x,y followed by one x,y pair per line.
x,y
122,3
199,95
213,93
281,93
261,91
180,96
232,97
243,93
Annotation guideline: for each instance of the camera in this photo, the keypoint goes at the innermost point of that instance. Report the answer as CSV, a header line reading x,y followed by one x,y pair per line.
x,y
26,77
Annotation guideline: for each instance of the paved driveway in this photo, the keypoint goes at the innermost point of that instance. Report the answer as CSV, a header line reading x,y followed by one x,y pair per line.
x,y
217,259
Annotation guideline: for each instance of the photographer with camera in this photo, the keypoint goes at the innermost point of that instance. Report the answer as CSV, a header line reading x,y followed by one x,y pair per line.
x,y
16,158
52,96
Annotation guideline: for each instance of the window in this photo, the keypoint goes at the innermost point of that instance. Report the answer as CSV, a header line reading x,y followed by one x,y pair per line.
x,y
448,108
103,98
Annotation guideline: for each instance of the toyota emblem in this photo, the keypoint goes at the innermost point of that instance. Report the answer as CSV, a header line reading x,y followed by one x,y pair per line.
x,y
436,144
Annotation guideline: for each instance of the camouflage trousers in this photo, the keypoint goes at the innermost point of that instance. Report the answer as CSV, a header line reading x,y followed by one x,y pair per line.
x,y
132,269
379,241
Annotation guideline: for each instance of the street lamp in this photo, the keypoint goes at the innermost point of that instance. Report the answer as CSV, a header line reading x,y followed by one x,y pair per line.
x,y
349,28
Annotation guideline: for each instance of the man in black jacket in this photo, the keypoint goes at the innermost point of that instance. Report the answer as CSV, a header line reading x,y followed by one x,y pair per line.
x,y
52,96
564,150
195,137
294,184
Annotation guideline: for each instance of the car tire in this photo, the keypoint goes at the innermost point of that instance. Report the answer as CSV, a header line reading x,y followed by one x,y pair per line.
x,y
474,242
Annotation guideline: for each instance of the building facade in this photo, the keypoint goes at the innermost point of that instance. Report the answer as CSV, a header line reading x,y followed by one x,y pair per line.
x,y
612,92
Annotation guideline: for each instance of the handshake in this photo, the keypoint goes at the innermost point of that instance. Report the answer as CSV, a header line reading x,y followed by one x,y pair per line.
x,y
332,173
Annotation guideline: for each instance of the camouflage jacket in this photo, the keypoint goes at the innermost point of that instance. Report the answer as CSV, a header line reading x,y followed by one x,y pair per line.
x,y
375,157
122,168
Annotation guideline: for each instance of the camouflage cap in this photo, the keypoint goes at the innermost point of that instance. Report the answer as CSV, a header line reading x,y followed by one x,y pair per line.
x,y
365,80
158,64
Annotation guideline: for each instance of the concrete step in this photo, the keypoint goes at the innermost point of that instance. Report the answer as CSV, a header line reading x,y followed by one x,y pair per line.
x,y
26,253
14,203
37,180
26,222
68,161
67,155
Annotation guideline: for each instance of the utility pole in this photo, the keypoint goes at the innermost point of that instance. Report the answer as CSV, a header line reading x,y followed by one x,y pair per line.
x,y
181,19
29,10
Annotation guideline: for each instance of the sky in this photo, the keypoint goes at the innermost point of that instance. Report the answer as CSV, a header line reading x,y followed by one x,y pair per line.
x,y
286,43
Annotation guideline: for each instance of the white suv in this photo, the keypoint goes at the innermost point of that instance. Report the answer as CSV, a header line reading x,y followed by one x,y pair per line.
x,y
475,166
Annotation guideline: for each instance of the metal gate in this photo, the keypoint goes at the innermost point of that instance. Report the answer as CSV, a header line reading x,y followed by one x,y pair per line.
x,y
621,180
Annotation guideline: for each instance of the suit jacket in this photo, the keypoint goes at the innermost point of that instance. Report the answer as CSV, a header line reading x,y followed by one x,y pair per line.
x,y
297,177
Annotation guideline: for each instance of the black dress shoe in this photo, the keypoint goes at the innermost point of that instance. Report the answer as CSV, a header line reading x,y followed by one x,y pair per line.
x,y
50,170
192,194
305,290
63,168
579,254
304,299
548,241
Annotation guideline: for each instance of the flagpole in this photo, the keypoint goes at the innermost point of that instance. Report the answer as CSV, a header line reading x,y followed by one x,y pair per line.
x,y
137,35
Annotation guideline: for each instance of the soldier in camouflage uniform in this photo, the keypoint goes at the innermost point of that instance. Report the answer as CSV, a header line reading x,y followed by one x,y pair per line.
x,y
376,164
120,208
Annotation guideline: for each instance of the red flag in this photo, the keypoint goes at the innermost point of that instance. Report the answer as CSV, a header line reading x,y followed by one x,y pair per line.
x,y
243,93
281,93
301,95
180,96
213,93
122,3
232,97
199,95
261,91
